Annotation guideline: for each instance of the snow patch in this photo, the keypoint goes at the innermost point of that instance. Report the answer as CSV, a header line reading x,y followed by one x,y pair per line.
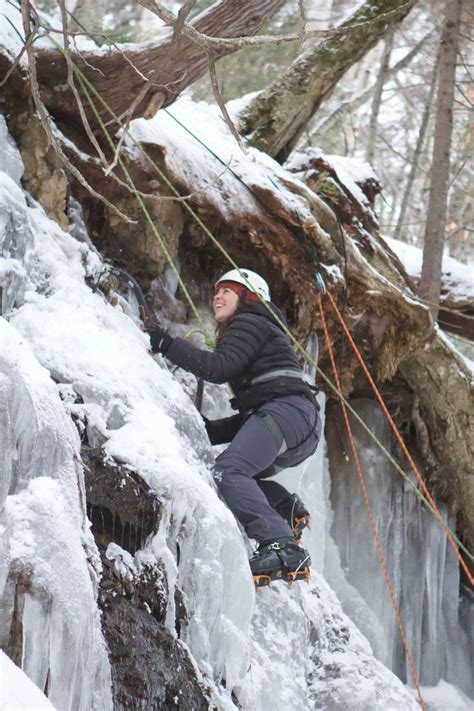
x,y
457,277
199,144
12,163
17,691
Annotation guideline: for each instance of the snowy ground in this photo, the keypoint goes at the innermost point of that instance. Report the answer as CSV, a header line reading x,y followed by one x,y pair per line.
x,y
459,278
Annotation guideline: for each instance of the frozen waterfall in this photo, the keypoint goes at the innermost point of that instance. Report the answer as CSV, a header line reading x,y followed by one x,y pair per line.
x,y
422,564
66,353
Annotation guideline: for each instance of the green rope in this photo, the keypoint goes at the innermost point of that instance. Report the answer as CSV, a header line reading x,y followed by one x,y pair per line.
x,y
22,39
87,86
210,342
142,205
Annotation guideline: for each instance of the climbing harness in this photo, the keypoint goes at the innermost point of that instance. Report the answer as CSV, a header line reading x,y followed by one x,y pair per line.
x,y
280,373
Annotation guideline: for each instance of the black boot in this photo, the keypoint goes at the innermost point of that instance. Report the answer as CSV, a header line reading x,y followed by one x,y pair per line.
x,y
293,510
281,559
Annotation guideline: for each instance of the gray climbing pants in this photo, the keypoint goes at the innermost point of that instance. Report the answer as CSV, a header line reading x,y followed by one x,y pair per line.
x,y
261,448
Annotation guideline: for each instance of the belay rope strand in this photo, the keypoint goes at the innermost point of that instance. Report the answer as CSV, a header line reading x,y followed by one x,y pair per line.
x,y
90,89
370,514
398,435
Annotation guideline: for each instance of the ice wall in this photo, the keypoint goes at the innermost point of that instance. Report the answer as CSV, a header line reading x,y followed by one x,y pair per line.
x,y
49,563
423,566
132,407
295,644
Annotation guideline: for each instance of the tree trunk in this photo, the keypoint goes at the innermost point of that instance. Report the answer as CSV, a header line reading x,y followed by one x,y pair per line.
x,y
118,75
416,155
430,284
275,119
377,99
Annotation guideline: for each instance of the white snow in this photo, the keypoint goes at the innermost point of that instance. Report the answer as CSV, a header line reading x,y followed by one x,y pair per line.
x,y
11,32
12,163
351,172
457,277
17,691
209,157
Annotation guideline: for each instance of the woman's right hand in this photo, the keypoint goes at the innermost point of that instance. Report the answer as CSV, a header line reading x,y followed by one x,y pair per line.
x,y
160,339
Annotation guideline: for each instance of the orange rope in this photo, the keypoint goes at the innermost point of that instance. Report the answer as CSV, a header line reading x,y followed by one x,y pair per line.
x,y
373,525
400,440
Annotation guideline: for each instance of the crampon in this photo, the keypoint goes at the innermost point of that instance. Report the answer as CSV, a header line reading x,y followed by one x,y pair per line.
x,y
293,510
299,524
281,559
290,577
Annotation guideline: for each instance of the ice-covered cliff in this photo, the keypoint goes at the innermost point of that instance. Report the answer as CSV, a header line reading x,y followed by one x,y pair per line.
x,y
65,353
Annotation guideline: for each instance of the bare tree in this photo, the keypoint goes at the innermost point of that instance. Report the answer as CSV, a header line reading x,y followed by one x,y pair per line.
x,y
377,98
417,154
357,100
276,118
430,283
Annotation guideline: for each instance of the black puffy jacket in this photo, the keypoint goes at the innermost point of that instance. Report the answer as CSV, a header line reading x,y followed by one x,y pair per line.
x,y
252,344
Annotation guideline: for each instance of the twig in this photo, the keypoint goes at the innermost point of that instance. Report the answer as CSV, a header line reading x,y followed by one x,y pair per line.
x,y
237,43
87,64
72,85
171,198
303,18
26,12
221,104
128,114
24,49
124,184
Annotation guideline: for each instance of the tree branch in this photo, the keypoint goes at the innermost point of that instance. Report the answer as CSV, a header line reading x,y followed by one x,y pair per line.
x,y
144,71
276,117
28,11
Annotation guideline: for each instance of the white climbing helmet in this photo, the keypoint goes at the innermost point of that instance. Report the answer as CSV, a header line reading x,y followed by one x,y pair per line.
x,y
253,281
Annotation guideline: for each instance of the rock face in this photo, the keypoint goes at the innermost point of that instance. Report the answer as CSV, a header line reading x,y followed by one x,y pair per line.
x,y
150,667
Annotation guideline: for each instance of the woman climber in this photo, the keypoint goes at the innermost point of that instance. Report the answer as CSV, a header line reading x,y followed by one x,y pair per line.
x,y
277,425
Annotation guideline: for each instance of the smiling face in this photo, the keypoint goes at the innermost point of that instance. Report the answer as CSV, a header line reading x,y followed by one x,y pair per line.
x,y
224,304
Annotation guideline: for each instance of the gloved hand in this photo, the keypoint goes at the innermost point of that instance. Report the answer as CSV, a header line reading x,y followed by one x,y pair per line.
x,y
160,339
224,430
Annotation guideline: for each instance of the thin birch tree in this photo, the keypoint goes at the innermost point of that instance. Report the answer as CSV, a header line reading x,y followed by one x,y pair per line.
x,y
435,229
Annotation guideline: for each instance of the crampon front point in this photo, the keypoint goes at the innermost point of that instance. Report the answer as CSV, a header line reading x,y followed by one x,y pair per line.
x,y
299,524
